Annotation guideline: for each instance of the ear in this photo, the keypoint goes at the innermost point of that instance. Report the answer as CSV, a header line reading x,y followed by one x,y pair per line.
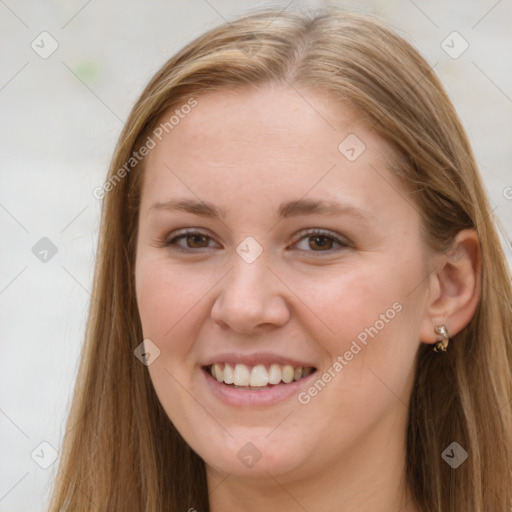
x,y
455,286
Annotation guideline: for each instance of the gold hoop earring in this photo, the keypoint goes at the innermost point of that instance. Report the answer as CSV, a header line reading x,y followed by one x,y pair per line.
x,y
442,345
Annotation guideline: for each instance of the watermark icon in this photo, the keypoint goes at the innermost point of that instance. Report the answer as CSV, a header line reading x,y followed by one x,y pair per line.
x,y
249,455
147,352
454,45
304,397
352,147
44,45
249,45
137,156
507,193
249,249
44,250
454,455
44,455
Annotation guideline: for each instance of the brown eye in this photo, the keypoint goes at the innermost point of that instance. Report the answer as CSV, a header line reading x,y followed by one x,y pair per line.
x,y
189,241
321,241
196,241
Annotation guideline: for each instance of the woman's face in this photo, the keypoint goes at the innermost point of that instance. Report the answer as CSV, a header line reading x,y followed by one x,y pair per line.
x,y
302,259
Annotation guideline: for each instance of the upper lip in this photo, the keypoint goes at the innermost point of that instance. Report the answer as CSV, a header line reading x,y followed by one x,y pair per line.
x,y
265,358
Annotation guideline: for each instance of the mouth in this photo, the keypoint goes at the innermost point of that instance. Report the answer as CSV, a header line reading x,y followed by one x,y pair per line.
x,y
257,377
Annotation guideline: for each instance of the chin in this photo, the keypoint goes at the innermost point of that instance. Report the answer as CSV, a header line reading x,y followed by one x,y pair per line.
x,y
254,456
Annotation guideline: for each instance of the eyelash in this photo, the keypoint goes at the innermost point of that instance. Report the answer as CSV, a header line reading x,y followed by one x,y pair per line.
x,y
172,242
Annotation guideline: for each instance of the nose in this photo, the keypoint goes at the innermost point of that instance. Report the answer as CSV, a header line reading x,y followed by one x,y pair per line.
x,y
251,298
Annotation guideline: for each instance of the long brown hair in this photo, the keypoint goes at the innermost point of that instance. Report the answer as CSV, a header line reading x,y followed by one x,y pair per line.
x,y
121,451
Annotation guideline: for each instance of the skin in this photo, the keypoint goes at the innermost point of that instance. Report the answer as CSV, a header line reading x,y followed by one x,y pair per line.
x,y
246,152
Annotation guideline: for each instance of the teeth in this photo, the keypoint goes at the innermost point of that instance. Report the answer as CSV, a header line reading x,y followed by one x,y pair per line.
x,y
258,376
287,374
274,374
241,375
218,372
228,374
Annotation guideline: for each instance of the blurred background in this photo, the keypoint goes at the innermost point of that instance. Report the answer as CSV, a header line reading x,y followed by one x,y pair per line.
x,y
71,70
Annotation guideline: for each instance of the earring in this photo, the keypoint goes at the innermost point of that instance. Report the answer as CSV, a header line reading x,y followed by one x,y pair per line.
x,y
442,345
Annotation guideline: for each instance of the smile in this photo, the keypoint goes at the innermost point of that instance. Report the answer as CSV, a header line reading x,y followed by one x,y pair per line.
x,y
257,376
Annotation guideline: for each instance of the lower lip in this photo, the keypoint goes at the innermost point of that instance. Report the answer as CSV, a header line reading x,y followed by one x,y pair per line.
x,y
248,398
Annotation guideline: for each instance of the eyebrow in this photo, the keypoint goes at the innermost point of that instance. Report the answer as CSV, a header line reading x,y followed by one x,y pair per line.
x,y
285,210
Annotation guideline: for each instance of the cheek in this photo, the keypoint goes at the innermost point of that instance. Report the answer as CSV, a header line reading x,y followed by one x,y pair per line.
x,y
166,296
367,321
169,301
342,302
174,305
166,302
369,368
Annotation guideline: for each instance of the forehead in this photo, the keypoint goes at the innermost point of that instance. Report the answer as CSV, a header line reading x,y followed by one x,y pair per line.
x,y
268,117
266,144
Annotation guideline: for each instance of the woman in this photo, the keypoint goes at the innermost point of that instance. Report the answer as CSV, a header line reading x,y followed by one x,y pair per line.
x,y
301,302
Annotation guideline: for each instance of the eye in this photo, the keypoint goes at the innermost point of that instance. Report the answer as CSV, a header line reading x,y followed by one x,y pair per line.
x,y
191,239
320,241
